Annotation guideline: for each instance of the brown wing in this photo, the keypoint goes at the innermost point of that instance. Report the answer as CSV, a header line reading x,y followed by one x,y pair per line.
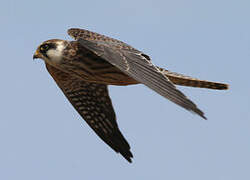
x,y
95,37
135,64
93,103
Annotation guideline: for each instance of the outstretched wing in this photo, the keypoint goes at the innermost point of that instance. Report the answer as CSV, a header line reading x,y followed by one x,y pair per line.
x,y
134,63
93,103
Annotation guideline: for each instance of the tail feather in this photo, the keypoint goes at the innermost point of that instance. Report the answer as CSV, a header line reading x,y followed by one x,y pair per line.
x,y
183,80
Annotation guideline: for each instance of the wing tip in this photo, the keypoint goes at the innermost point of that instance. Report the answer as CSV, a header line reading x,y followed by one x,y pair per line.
x,y
123,147
120,145
204,117
127,155
200,113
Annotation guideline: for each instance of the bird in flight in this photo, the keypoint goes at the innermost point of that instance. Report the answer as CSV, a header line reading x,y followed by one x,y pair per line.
x,y
83,69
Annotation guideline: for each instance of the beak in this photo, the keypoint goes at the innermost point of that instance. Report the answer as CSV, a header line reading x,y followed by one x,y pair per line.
x,y
36,55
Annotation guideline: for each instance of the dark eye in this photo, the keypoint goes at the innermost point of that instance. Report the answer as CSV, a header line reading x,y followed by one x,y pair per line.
x,y
44,48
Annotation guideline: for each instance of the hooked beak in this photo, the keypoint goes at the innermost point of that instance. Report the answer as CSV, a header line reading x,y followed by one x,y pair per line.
x,y
36,55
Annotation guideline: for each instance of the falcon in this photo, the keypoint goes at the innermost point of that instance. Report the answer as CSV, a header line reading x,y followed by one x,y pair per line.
x,y
84,68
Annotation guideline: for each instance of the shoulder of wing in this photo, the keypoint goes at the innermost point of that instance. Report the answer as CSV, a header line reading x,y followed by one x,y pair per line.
x,y
100,39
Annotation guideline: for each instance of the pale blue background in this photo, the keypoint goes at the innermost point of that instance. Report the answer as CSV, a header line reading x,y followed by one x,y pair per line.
x,y
43,138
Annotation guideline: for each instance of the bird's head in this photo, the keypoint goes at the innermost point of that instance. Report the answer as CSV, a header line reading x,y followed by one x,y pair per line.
x,y
51,51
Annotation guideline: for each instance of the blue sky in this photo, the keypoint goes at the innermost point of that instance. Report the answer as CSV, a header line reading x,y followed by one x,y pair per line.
x,y
43,137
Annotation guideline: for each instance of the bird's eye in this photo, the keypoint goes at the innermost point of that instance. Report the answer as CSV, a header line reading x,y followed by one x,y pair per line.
x,y
44,47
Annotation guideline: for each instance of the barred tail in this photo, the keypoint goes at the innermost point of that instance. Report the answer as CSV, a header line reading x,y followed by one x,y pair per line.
x,y
183,80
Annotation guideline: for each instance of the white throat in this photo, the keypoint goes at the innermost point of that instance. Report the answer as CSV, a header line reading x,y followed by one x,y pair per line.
x,y
55,55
